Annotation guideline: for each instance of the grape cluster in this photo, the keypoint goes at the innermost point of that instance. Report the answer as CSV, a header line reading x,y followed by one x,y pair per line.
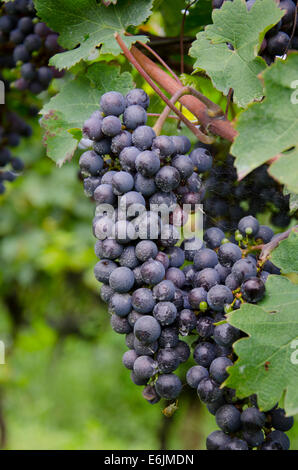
x,y
282,36
228,200
12,129
26,45
160,290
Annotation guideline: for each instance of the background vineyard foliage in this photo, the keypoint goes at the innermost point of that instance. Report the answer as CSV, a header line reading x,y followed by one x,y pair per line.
x,y
63,386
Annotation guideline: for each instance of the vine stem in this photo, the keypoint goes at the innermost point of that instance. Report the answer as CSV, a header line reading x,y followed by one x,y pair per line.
x,y
269,247
216,110
200,136
216,125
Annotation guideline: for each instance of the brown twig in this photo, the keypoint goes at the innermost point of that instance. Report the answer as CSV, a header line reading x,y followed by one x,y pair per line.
x,y
218,126
162,62
269,247
182,92
158,115
200,136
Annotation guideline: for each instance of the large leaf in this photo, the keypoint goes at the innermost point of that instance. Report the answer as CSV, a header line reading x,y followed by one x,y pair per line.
x,y
268,128
238,68
87,24
267,363
285,255
280,169
76,101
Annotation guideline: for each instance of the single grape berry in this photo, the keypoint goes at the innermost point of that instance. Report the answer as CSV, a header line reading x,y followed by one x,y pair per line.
x,y
253,290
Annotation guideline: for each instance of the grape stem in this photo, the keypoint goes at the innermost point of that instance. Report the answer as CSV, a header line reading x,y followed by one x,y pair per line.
x,y
269,247
200,136
187,90
216,125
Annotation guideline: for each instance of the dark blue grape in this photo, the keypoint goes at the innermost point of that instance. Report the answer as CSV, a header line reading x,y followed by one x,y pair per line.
x,y
228,418
169,337
104,194
207,278
187,321
182,144
142,137
91,163
228,254
147,329
195,374
137,96
167,360
184,165
219,296
205,258
134,116
152,272
218,369
128,157
120,304
112,103
205,326
280,421
202,159
213,237
145,186
217,439
209,391
165,313
252,419
120,324
183,351
121,279
204,353
167,179
111,126
122,182
164,291
226,334
129,358
253,290
168,386
196,296
103,269
128,258
164,146
145,367
248,226
147,163
143,301
120,141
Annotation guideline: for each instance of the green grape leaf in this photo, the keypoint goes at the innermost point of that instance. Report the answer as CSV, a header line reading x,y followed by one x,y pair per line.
x,y
83,25
268,128
66,112
284,256
280,169
267,362
60,144
244,30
